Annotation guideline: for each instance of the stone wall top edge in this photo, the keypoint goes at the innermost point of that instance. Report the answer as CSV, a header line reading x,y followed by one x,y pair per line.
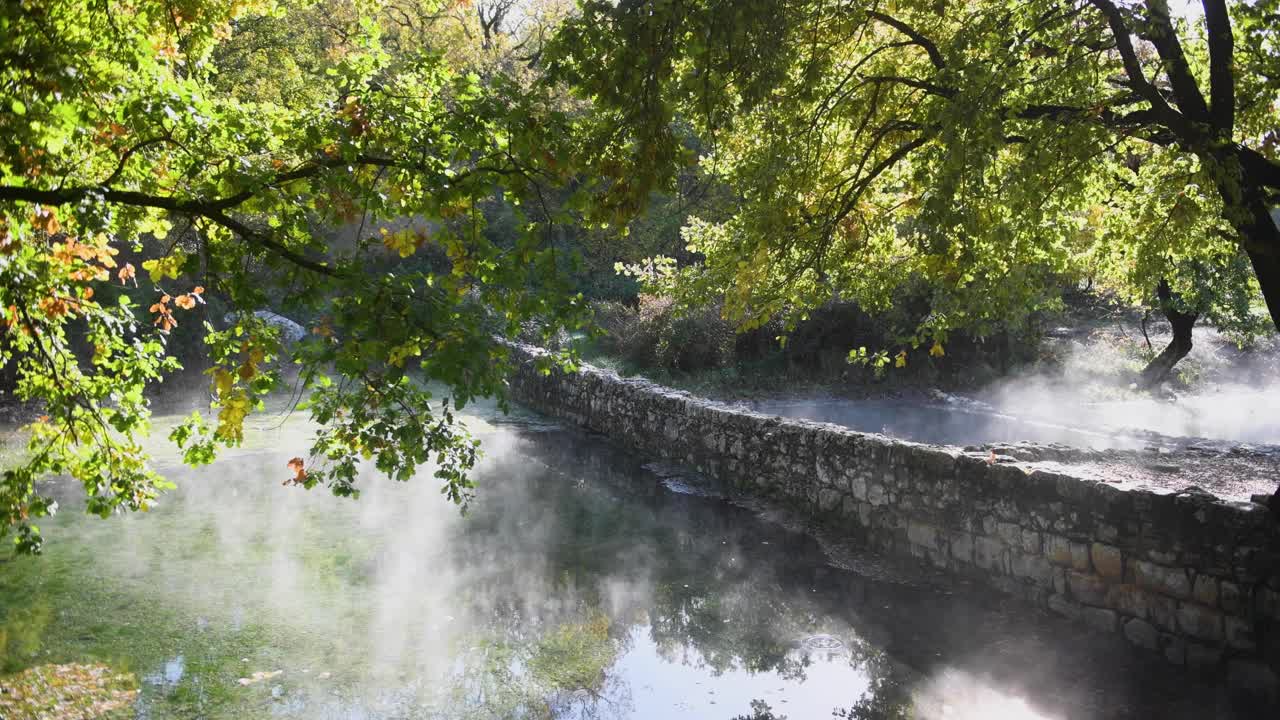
x,y
1245,511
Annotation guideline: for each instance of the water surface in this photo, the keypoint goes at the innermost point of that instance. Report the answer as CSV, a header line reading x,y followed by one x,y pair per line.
x,y
579,585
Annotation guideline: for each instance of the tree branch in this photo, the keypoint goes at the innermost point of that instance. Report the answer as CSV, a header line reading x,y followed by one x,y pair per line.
x,y
1222,87
1124,45
929,47
1165,38
216,210
925,85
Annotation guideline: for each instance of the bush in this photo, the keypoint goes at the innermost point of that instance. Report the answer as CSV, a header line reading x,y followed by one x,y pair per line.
x,y
654,334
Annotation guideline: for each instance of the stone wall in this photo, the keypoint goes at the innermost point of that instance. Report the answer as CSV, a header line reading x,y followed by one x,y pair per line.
x,y
1185,575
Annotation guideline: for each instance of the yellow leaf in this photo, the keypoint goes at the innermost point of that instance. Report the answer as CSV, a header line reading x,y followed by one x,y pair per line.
x,y
936,350
900,360
222,382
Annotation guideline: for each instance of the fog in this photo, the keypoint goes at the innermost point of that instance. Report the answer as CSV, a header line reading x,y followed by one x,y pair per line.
x,y
1083,395
1223,393
580,585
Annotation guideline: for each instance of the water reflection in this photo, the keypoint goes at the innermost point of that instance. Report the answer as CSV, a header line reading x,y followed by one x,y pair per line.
x,y
578,587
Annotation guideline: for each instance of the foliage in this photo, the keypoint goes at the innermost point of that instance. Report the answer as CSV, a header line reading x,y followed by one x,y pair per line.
x,y
996,150
657,334
160,123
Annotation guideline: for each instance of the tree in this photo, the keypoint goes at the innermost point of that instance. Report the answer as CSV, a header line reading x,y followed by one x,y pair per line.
x,y
993,148
117,124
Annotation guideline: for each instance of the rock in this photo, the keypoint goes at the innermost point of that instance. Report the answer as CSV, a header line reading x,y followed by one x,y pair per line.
x,y
1064,607
1202,656
1142,633
1239,633
1086,588
1108,561
1100,619
1170,581
1205,590
290,331
1200,622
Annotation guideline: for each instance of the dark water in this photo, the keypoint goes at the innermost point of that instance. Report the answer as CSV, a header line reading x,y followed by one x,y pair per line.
x,y
579,586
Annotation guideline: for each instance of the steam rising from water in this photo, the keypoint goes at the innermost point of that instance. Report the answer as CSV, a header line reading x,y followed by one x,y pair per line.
x,y
1226,394
1085,398
577,587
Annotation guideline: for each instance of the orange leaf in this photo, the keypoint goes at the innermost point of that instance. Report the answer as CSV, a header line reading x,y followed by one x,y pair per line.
x,y
298,467
46,219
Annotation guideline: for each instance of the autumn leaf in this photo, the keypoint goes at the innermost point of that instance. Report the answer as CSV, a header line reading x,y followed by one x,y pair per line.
x,y
127,273
186,302
936,350
900,360
259,677
45,219
298,467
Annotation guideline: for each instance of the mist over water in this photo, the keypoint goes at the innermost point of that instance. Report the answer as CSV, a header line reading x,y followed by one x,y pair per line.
x,y
579,586
1084,398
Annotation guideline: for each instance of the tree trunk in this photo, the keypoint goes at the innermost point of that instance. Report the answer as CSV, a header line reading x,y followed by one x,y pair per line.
x,y
1159,368
1260,236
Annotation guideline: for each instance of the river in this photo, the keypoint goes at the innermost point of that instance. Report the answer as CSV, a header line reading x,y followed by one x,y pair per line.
x,y
580,584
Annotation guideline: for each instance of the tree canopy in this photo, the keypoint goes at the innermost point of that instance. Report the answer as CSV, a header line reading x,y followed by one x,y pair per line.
x,y
991,148
159,155
229,135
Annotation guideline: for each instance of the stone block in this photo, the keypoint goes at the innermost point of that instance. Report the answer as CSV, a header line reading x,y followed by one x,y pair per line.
x,y
876,495
1169,581
1107,532
1200,622
1086,588
1204,590
1060,581
1080,556
920,533
1030,541
962,547
1231,599
858,486
988,554
1239,633
1009,533
1203,656
1058,550
1100,619
1162,611
1142,633
1107,561
990,525
1031,567
1061,605
830,500
1129,600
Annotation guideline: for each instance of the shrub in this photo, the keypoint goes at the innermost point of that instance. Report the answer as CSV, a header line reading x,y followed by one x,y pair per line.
x,y
656,334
